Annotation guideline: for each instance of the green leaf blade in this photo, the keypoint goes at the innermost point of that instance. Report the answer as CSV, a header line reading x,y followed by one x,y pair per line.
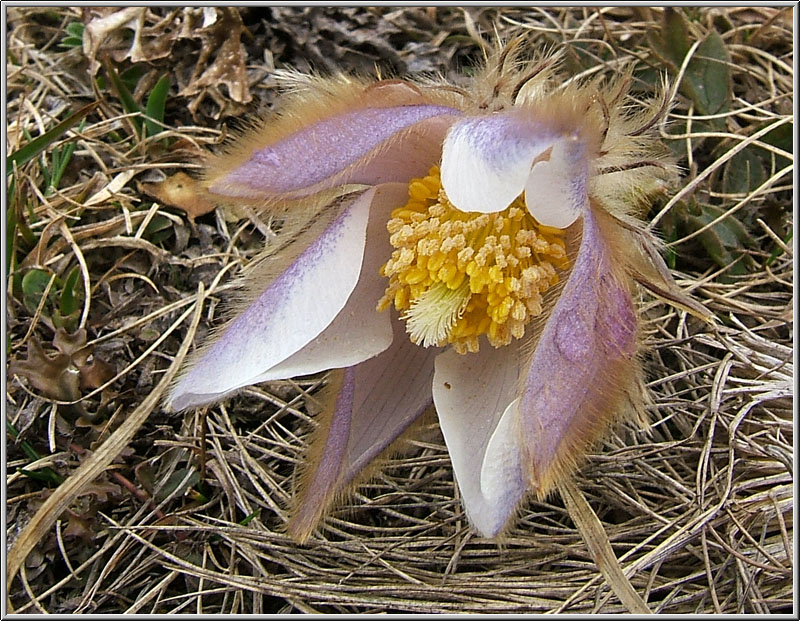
x,y
156,106
26,153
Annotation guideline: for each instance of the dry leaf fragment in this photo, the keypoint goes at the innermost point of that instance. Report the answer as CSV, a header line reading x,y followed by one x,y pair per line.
x,y
61,376
95,374
112,188
222,59
147,44
221,37
181,191
99,28
53,376
73,345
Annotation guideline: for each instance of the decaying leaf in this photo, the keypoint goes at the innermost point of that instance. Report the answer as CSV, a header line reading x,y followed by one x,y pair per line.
x,y
73,345
222,59
221,38
103,33
81,518
181,191
95,374
52,375
62,375
78,526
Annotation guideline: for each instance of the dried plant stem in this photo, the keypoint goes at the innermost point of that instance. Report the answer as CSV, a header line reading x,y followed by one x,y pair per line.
x,y
689,187
593,533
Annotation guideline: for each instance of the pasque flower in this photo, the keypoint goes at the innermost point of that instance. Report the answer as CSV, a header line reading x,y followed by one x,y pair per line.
x,y
472,249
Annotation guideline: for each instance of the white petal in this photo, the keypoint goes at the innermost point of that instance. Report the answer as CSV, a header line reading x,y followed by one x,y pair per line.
x,y
501,471
294,309
556,191
487,160
359,331
476,400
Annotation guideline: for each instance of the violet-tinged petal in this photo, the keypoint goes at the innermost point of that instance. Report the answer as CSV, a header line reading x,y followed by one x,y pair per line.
x,y
321,151
556,190
293,310
582,365
486,160
376,402
323,481
476,400
358,332
404,156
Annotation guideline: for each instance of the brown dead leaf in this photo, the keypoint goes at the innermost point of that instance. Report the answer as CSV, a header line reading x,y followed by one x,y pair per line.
x,y
103,491
181,191
99,28
61,376
95,374
72,345
221,39
52,375
139,34
79,527
103,32
82,515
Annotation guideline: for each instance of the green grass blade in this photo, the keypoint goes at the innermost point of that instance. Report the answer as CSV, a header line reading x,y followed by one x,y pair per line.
x,y
61,159
11,232
778,251
128,102
156,104
68,302
25,154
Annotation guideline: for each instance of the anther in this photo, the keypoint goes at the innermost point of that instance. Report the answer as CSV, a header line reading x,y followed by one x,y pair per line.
x,y
457,276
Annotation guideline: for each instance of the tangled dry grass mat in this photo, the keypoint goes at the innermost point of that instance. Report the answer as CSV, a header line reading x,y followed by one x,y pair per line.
x,y
108,288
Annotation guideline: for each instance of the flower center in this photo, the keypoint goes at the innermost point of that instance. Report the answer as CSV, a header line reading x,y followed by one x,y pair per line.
x,y
456,275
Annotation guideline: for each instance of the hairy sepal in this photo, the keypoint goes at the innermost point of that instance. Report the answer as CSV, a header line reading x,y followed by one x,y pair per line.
x,y
290,311
364,411
329,133
584,372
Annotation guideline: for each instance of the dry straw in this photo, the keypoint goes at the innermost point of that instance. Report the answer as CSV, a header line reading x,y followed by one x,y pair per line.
x,y
692,516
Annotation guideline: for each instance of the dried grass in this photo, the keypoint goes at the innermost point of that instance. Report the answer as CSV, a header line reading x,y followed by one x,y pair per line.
x,y
698,509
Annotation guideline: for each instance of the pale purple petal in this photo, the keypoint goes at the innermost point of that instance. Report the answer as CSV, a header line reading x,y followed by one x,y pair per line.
x,y
293,310
488,161
404,156
359,331
555,191
476,397
392,390
321,151
582,359
377,402
324,480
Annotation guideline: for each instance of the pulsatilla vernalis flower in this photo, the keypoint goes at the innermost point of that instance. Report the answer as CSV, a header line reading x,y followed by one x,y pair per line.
x,y
472,249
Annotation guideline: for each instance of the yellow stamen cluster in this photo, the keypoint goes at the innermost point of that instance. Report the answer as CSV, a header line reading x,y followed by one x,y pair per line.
x,y
456,275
